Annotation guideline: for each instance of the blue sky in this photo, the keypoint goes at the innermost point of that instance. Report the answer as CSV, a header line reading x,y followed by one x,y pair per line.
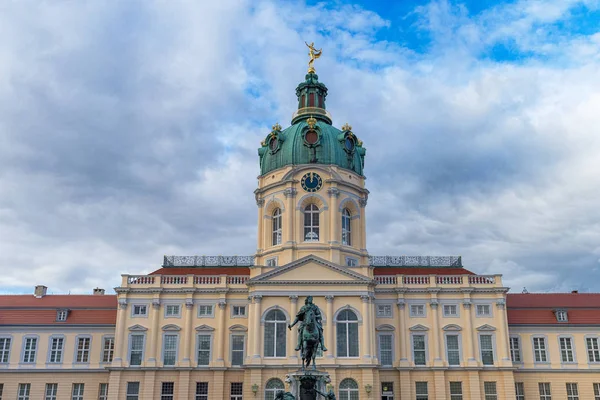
x,y
129,130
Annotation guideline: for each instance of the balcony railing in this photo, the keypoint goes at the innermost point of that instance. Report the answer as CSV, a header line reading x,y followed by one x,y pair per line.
x,y
208,261
415,261
437,280
157,281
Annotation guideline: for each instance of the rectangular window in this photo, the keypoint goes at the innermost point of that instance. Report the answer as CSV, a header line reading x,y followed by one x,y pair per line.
x,y
205,310
561,316
24,389
384,310
170,349
203,349
545,391
272,262
417,310
237,349
452,349
515,349
51,390
1,390
487,349
237,390
593,349
520,390
172,310
56,349
139,310
103,391
77,393
351,262
83,350
566,349
136,353
385,350
387,390
133,391
489,389
596,391
61,315
539,349
419,355
4,349
456,391
450,310
201,391
484,310
108,349
572,391
168,391
29,350
239,311
421,390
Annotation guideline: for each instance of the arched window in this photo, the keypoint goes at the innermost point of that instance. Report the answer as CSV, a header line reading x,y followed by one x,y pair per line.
x,y
275,334
273,386
347,334
311,223
276,227
346,227
348,389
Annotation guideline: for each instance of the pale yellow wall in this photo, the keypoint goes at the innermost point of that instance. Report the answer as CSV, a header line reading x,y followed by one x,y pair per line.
x,y
65,381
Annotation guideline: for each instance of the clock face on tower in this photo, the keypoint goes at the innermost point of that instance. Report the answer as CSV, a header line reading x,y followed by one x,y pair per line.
x,y
311,182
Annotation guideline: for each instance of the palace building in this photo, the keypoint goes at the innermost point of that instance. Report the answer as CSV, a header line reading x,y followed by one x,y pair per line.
x,y
396,327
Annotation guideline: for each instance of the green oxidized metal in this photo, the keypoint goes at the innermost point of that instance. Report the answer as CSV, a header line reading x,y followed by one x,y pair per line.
x,y
290,146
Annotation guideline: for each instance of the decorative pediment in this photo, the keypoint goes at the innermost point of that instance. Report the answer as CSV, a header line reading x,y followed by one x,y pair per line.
x,y
204,328
238,328
137,328
418,328
452,328
385,328
300,271
486,327
171,327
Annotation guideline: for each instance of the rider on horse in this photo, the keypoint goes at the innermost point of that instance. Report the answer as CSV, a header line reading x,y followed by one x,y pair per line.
x,y
308,305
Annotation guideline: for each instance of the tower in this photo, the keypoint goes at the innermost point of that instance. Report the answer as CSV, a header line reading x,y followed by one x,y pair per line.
x,y
311,193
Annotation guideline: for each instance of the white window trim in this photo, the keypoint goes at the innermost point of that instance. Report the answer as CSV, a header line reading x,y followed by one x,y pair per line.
x,y
352,260
162,349
391,313
231,306
37,347
410,310
127,394
89,351
493,335
231,335
178,315
210,350
9,351
457,315
573,350
545,338
519,351
104,337
62,350
211,315
412,349
264,321
131,334
478,315
347,323
133,315
379,335
100,396
460,350
587,355
276,262
485,395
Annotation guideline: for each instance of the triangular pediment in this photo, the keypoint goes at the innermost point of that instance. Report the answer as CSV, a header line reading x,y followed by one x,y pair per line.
x,y
311,269
137,328
486,327
418,328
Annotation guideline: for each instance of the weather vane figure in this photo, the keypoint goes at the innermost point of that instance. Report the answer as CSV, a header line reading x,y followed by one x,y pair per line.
x,y
313,54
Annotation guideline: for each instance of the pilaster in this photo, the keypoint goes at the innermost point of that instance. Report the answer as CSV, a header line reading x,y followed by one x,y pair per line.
x,y
293,336
221,334
470,334
437,346
120,340
366,327
154,317
187,332
257,336
402,333
329,331
503,345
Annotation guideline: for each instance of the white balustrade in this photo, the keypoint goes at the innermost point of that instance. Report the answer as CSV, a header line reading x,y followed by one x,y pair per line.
x,y
207,280
386,279
415,280
482,279
449,280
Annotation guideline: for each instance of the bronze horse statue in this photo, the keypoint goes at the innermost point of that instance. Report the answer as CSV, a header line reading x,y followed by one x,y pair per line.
x,y
310,339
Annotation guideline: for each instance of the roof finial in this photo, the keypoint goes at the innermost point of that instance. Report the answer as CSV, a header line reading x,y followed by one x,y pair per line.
x,y
313,54
346,127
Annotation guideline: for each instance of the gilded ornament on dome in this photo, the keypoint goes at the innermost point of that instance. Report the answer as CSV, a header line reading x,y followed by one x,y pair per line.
x,y
313,54
311,122
276,127
346,127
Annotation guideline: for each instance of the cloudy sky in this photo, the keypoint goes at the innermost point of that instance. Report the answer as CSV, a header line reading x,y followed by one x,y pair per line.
x,y
129,130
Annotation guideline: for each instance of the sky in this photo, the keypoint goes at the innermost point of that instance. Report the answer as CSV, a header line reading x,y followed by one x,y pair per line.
x,y
129,130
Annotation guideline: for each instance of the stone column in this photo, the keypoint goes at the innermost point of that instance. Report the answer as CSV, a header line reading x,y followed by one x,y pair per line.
x,y
437,346
329,329
469,333
120,338
366,324
221,334
154,317
503,345
257,335
402,331
293,334
187,332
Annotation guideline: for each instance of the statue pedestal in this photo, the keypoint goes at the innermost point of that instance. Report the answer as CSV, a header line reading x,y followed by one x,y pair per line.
x,y
302,383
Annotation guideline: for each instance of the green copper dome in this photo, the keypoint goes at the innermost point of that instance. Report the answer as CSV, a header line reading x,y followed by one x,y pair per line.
x,y
311,139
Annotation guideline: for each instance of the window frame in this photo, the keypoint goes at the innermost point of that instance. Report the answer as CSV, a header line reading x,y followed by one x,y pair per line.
x,y
386,314
5,351
109,351
84,351
481,314
574,390
208,315
130,348
52,393
559,314
35,350
276,227
244,306
26,389
595,351
547,395
270,393
347,324
535,351
231,350
414,315
455,396
62,314
391,350
426,349
351,262
167,396
422,396
271,262
520,390
201,396
139,315
493,349
277,325
130,385
103,395
346,392
314,213
60,351
488,385
571,340
210,349
448,315
80,393
459,350
514,351
236,396
172,315
596,387
164,349
346,227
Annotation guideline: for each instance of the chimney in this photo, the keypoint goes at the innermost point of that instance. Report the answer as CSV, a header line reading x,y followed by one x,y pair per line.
x,y
40,291
98,292
575,291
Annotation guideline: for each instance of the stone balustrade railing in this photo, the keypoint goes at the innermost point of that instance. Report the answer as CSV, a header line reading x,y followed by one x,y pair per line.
x,y
438,280
158,281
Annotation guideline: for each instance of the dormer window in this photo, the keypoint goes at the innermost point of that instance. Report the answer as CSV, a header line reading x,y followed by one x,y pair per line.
x,y
61,315
561,315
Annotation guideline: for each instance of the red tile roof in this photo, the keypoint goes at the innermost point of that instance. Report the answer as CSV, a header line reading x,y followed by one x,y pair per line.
x,y
538,308
83,309
421,271
203,271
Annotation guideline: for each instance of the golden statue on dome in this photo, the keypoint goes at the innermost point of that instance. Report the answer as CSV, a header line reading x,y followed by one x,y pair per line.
x,y
313,54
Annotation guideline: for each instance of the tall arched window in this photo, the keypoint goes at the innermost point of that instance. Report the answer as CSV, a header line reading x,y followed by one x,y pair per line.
x,y
346,227
275,334
273,386
311,223
276,227
348,389
347,334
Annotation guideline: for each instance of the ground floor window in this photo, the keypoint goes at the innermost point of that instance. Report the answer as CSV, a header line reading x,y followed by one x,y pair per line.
x,y
456,391
596,391
387,390
51,390
24,389
572,391
237,390
545,391
103,391
201,390
520,390
77,391
273,386
133,391
348,389
489,389
421,391
167,391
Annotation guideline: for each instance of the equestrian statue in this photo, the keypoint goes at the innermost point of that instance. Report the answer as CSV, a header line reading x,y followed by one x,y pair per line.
x,y
310,332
